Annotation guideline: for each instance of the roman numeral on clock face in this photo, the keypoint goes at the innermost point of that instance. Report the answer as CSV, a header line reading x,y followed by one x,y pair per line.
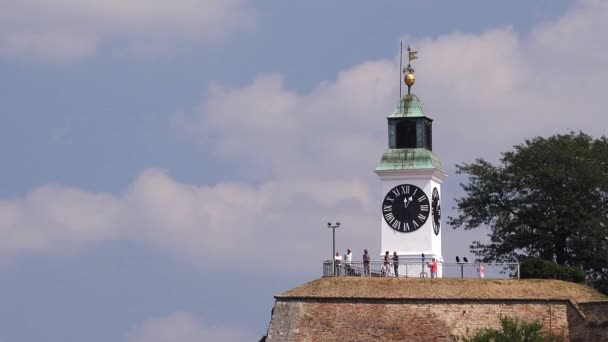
x,y
422,198
389,217
424,207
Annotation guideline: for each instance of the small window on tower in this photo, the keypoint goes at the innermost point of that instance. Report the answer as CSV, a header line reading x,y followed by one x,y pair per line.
x,y
406,134
392,134
429,135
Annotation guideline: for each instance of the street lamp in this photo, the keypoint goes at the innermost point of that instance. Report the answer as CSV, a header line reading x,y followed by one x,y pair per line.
x,y
606,239
333,227
461,266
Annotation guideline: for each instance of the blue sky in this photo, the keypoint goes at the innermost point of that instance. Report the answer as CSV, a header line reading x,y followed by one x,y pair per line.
x,y
169,166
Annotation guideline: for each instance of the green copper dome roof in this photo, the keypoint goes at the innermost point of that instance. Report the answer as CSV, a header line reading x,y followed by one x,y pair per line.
x,y
409,159
409,107
410,134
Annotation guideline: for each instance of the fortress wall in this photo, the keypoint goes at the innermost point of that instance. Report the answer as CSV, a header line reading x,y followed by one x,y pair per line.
x,y
594,327
595,311
326,319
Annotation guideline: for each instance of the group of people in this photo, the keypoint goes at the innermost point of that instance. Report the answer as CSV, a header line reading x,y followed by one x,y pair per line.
x,y
395,262
385,268
348,259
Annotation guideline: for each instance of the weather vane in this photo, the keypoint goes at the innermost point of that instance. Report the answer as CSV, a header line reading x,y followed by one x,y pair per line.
x,y
409,78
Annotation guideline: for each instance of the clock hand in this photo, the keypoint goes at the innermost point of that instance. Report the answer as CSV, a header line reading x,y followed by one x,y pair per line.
x,y
407,201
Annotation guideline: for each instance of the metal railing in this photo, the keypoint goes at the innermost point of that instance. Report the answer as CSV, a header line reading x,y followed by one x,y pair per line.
x,y
421,270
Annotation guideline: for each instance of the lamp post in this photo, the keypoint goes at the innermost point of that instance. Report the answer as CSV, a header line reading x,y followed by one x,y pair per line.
x,y
461,267
333,227
606,239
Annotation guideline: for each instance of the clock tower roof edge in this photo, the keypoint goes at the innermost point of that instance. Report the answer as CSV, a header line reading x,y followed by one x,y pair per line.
x,y
409,107
409,159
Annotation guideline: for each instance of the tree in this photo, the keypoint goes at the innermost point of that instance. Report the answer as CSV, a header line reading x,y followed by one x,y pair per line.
x,y
548,199
513,330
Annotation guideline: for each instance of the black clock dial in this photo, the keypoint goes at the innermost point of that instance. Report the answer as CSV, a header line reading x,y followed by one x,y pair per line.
x,y
436,207
405,208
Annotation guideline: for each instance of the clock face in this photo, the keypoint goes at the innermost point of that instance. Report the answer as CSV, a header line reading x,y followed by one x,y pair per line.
x,y
405,208
436,207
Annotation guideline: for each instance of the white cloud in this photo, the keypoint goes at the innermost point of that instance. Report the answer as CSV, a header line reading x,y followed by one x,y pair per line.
x,y
185,327
232,221
208,225
51,218
331,130
66,30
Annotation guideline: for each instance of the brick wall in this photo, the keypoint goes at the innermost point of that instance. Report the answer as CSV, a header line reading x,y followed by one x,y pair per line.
x,y
326,319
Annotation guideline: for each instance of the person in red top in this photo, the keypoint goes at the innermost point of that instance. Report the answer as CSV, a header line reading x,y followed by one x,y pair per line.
x,y
433,266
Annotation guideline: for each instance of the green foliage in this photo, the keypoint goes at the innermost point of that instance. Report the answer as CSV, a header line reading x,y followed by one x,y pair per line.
x,y
571,273
545,269
538,269
547,199
513,330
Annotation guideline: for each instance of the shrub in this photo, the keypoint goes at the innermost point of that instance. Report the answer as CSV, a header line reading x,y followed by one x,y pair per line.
x,y
540,269
573,274
545,269
513,330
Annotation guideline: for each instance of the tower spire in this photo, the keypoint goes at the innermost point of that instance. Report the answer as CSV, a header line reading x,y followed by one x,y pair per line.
x,y
409,78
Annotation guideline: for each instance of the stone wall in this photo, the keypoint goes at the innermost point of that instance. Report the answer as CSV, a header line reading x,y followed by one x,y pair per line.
x,y
595,311
373,319
594,326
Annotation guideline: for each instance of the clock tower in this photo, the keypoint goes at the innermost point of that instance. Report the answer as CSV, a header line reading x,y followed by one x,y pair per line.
x,y
411,176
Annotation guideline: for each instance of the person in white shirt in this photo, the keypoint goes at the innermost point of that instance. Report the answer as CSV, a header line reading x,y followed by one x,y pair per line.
x,y
337,262
348,258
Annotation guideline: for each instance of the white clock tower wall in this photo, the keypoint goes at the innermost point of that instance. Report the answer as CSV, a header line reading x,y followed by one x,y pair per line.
x,y
423,240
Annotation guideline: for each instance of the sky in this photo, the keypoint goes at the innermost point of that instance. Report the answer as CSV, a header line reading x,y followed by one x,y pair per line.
x,y
169,166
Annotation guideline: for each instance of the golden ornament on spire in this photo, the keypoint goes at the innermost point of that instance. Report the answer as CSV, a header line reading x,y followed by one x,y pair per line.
x,y
409,80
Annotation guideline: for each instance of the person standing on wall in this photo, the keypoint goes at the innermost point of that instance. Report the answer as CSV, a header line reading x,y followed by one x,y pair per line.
x,y
387,262
366,260
337,261
348,258
482,270
433,266
396,263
